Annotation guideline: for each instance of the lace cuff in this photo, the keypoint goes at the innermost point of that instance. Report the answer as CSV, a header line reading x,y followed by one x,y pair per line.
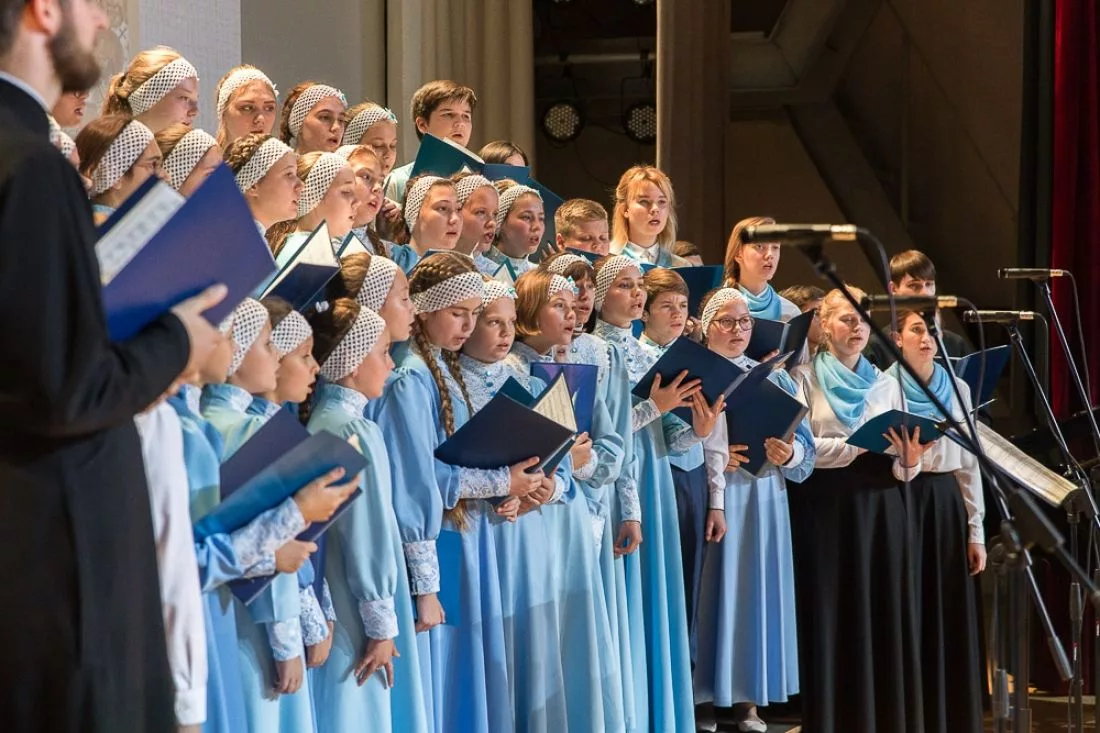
x,y
630,508
976,534
379,618
423,565
559,490
326,603
267,533
263,568
483,483
285,638
682,439
643,414
314,628
588,470
718,499
598,526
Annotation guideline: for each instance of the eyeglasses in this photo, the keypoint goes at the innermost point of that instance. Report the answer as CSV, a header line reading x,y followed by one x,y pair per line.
x,y
725,325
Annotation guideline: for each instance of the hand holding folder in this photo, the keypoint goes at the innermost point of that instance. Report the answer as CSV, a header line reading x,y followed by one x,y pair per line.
x,y
761,410
768,336
871,435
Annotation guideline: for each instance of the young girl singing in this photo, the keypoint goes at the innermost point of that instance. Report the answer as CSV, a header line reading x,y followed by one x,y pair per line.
x,y
245,101
313,118
190,156
432,215
479,201
748,645
643,218
328,195
750,268
117,155
266,171
521,222
158,88
368,194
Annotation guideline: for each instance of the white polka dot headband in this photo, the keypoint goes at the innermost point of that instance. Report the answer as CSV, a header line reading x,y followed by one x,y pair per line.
x,y
186,155
270,152
120,156
414,199
560,284
248,320
508,200
449,292
238,79
291,333
495,290
60,140
226,324
156,87
717,301
563,262
345,151
354,347
365,120
607,274
319,180
377,283
309,99
466,186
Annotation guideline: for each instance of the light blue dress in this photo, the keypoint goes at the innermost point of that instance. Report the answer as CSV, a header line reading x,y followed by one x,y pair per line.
x,y
464,661
268,628
397,181
667,645
365,569
748,643
519,265
248,552
404,257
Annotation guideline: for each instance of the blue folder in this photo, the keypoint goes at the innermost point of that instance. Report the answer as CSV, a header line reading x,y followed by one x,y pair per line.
x,y
768,336
500,171
969,369
590,256
764,411
302,280
211,239
700,281
440,157
582,379
870,435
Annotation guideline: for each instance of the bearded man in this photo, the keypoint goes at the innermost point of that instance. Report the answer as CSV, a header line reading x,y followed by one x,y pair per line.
x,y
80,621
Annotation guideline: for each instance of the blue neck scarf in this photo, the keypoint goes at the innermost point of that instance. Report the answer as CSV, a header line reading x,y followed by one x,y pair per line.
x,y
916,401
845,389
766,305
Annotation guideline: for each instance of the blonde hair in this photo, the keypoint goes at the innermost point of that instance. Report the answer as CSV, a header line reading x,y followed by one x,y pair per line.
x,y
628,182
832,302
169,137
577,211
278,233
141,69
733,247
222,136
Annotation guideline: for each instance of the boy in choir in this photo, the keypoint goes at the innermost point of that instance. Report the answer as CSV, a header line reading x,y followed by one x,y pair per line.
x,y
685,250
581,224
445,109
159,87
808,298
505,152
913,273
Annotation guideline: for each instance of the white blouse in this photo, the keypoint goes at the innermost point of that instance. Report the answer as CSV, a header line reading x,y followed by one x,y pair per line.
x,y
830,434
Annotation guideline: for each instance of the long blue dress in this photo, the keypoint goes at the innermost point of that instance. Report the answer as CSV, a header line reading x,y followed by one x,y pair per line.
x,y
269,627
667,644
748,636
221,558
463,662
366,573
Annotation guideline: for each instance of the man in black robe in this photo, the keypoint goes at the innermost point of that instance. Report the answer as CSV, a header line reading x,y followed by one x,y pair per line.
x,y
80,621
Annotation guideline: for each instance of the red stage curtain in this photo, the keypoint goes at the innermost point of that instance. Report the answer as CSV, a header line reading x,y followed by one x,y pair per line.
x,y
1075,243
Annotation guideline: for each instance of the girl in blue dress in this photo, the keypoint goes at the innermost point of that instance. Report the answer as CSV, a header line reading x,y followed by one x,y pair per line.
x,y
748,643
432,215
461,647
479,201
521,222
266,171
328,195
750,268
643,218
620,300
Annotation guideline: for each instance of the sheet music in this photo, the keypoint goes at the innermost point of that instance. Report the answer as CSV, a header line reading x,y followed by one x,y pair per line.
x,y
310,253
121,244
557,404
352,245
1028,472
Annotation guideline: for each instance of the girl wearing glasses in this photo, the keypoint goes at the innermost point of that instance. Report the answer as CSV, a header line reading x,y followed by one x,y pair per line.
x,y
748,647
848,525
750,268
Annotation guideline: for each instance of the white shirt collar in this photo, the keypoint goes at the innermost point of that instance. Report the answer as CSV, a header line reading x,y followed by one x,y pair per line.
x,y
34,93
645,254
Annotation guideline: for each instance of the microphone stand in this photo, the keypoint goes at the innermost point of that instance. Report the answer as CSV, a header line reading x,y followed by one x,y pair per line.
x,y
1024,527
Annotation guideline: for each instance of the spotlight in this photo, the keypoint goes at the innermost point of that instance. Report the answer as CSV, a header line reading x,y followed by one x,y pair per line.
x,y
640,122
563,121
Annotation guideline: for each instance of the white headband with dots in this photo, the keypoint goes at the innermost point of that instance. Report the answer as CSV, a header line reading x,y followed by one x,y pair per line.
x,y
414,199
157,86
719,299
291,333
354,347
248,320
317,183
607,275
345,151
564,262
120,156
377,283
186,155
226,324
449,292
365,120
238,79
560,284
466,186
309,99
270,152
508,200
495,290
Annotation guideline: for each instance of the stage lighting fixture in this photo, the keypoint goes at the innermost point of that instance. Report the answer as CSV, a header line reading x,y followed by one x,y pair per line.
x,y
563,121
640,122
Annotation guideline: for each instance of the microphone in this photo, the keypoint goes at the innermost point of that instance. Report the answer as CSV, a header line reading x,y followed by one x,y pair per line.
x,y
1029,273
998,316
799,233
878,303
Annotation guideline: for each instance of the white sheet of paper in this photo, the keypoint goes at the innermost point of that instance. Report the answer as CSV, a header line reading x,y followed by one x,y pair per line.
x,y
121,244
557,404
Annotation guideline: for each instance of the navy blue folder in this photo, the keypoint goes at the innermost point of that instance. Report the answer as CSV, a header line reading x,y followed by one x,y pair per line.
x,y
969,369
440,157
764,411
504,433
870,435
500,171
590,256
211,239
700,281
768,336
302,280
582,379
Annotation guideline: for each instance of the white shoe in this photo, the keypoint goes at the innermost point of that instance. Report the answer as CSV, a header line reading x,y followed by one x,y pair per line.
x,y
752,725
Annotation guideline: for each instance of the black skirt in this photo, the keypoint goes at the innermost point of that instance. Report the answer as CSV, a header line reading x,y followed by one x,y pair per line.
x,y
947,623
857,640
